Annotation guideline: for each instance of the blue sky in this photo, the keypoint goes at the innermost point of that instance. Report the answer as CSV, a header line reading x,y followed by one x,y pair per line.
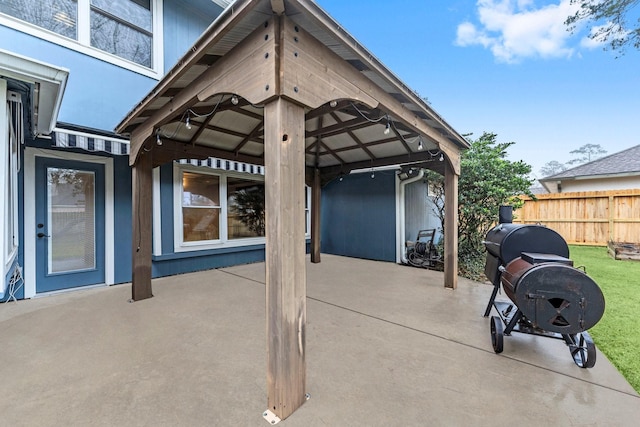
x,y
507,67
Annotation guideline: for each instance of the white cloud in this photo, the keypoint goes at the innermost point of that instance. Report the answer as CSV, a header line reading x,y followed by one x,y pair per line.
x,y
518,29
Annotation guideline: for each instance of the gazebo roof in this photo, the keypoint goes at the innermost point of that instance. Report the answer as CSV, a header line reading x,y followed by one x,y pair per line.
x,y
358,114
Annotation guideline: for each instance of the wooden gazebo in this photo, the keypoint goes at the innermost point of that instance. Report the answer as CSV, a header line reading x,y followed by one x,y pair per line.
x,y
279,83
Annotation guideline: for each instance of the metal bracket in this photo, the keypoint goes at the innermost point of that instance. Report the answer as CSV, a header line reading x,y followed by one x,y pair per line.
x,y
271,418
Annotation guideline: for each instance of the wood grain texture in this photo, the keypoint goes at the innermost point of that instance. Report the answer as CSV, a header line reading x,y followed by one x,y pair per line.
x,y
142,214
285,256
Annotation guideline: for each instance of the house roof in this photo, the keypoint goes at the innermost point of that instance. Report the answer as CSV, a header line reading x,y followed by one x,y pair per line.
x,y
222,83
626,162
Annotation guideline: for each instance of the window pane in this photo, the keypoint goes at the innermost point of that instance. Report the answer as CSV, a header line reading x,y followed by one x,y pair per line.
x,y
200,190
200,207
59,16
120,39
71,200
200,224
137,13
245,202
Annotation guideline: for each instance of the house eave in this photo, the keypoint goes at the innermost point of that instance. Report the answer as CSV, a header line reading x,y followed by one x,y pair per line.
x,y
48,81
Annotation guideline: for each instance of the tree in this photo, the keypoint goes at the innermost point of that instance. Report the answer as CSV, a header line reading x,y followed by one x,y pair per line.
x,y
614,30
487,181
587,153
250,207
551,168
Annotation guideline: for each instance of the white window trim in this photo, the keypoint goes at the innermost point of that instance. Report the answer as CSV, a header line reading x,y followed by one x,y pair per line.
x,y
83,44
5,155
30,155
223,242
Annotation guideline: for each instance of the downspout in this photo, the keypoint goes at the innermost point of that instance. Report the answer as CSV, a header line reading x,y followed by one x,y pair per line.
x,y
400,239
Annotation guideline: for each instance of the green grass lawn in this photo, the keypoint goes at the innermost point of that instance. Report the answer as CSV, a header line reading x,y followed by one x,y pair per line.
x,y
618,333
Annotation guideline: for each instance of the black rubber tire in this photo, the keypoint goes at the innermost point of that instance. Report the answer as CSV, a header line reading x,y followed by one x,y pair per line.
x,y
583,350
497,334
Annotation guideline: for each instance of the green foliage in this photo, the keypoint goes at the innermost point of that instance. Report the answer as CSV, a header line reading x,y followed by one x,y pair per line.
x,y
250,207
487,181
618,333
608,22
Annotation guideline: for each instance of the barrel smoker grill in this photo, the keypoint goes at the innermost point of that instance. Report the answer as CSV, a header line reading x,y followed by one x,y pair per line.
x,y
549,297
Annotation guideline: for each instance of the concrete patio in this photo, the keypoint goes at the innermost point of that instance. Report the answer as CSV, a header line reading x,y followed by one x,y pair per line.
x,y
387,345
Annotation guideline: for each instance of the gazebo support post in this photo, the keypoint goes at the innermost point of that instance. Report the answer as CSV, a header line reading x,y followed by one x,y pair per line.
x,y
285,256
316,193
142,213
450,227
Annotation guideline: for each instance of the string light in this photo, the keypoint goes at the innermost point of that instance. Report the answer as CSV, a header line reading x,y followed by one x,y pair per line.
x,y
387,129
234,100
188,123
441,157
420,146
158,140
333,104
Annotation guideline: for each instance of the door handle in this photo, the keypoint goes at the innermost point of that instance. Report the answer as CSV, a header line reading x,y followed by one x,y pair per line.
x,y
41,235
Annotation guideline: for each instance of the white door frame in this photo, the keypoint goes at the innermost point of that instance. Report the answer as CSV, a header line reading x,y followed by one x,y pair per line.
x,y
30,155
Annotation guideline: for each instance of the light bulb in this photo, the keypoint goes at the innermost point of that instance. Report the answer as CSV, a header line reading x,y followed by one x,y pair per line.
x,y
234,100
387,129
420,147
188,123
441,157
333,104
373,175
158,140
341,178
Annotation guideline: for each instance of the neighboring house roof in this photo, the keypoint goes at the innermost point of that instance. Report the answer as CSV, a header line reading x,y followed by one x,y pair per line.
x,y
626,162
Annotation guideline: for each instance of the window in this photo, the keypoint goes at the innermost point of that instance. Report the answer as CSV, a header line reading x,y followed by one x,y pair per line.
x,y
200,207
61,16
119,31
221,208
245,208
123,28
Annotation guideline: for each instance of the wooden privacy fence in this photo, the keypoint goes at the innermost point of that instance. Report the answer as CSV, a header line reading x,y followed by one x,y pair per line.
x,y
586,218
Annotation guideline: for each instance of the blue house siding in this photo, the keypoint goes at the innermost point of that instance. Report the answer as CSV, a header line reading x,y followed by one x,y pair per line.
x,y
184,22
122,219
98,94
358,217
187,262
166,203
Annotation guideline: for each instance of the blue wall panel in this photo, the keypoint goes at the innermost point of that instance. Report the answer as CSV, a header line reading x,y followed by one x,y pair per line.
x,y
358,216
168,265
98,94
122,219
184,22
166,203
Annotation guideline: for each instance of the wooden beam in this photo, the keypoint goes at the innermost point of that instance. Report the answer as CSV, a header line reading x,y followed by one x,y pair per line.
x,y
312,75
285,256
142,212
316,195
247,70
176,150
450,227
390,101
